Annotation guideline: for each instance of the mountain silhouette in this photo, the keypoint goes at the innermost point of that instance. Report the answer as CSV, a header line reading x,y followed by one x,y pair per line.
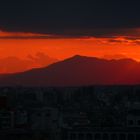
x,y
78,71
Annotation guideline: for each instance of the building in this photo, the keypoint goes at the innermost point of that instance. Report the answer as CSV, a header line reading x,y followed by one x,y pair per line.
x,y
101,134
6,119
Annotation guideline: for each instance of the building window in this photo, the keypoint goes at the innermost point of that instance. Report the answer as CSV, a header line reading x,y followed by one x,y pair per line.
x,y
47,114
81,136
122,137
131,137
130,122
114,136
89,136
38,114
105,136
137,136
97,136
138,122
73,136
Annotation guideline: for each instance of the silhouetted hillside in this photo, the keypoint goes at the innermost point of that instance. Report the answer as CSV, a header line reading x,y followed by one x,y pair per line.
x,y
77,71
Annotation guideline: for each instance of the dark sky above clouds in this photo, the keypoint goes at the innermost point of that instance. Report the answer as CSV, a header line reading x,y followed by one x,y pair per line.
x,y
63,28
74,18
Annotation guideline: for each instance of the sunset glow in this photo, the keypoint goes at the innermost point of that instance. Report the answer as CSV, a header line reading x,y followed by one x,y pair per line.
x,y
24,45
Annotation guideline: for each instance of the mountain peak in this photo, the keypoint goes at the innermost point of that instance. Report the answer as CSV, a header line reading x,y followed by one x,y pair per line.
x,y
78,56
78,71
75,57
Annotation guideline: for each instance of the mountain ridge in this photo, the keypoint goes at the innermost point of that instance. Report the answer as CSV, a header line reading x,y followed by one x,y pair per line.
x,y
78,71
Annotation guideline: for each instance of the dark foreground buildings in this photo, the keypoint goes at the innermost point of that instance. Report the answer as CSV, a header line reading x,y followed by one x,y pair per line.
x,y
73,113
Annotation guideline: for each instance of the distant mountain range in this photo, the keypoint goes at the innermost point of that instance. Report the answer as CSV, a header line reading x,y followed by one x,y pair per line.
x,y
78,71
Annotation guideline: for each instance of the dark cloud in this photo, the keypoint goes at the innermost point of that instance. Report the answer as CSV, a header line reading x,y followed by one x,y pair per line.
x,y
71,18
128,33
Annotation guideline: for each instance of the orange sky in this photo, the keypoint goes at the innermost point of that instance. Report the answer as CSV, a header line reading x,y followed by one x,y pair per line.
x,y
23,45
62,48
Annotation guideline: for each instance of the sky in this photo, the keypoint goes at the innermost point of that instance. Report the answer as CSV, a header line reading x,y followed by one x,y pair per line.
x,y
39,33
